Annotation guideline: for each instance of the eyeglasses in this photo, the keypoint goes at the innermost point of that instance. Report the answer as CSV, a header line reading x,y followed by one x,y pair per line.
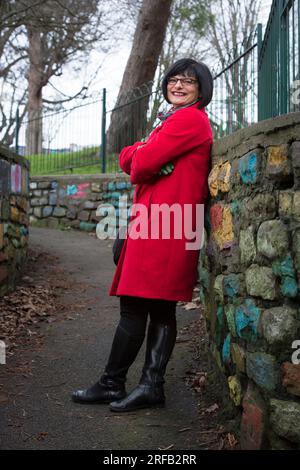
x,y
183,81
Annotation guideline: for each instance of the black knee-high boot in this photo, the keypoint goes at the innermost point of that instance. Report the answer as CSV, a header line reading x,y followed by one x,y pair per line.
x,y
150,392
111,385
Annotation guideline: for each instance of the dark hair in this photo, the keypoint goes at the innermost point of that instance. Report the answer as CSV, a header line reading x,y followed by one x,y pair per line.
x,y
195,69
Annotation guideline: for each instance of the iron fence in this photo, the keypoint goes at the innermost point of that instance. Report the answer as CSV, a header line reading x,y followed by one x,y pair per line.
x,y
279,61
62,141
234,103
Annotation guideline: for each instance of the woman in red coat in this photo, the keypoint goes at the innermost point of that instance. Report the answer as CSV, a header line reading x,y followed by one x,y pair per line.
x,y
158,262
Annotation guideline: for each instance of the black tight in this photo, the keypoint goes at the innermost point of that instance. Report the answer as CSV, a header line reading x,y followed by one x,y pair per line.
x,y
134,313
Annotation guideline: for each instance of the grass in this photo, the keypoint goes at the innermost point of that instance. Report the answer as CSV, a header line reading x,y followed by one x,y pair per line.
x,y
85,161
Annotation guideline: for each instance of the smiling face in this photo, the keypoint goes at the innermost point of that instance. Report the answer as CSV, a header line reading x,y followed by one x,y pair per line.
x,y
182,90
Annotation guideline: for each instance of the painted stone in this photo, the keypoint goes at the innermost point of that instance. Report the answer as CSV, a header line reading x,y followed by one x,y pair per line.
x,y
279,324
111,186
254,420
238,356
260,282
247,317
222,230
262,368
87,227
16,178
235,389
216,217
121,185
284,267
229,313
289,287
272,239
248,168
285,419
247,245
291,378
278,163
232,285
226,349
285,270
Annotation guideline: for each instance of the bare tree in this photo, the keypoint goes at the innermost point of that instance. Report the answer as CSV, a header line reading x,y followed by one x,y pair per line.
x,y
184,38
230,34
75,27
126,127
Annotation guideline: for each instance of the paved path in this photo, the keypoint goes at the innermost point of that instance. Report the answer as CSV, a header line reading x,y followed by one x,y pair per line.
x,y
40,414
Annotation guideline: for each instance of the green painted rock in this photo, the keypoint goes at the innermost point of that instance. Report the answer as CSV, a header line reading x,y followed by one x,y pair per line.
x,y
263,369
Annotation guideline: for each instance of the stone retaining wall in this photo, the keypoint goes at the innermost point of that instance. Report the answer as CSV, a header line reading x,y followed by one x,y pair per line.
x,y
14,206
72,201
250,277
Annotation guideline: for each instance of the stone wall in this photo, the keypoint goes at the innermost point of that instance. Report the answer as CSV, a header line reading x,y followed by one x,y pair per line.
x,y
250,277
14,205
72,201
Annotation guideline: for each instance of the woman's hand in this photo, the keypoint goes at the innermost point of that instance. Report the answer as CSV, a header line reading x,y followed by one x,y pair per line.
x,y
166,169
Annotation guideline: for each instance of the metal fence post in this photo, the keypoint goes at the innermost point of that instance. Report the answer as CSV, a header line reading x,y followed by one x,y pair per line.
x,y
259,77
103,136
17,130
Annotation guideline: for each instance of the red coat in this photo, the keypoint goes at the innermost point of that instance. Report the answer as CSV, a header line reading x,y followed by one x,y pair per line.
x,y
164,268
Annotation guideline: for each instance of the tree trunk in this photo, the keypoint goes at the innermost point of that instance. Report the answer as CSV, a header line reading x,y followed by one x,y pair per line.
x,y
34,132
129,123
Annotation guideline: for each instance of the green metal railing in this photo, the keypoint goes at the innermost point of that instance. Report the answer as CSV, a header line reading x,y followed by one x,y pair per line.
x,y
279,61
234,103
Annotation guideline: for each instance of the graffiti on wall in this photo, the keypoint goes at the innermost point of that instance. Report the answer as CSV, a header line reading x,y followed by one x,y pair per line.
x,y
77,191
16,178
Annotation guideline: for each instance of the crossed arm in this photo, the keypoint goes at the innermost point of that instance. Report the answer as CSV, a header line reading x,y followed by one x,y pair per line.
x,y
182,132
